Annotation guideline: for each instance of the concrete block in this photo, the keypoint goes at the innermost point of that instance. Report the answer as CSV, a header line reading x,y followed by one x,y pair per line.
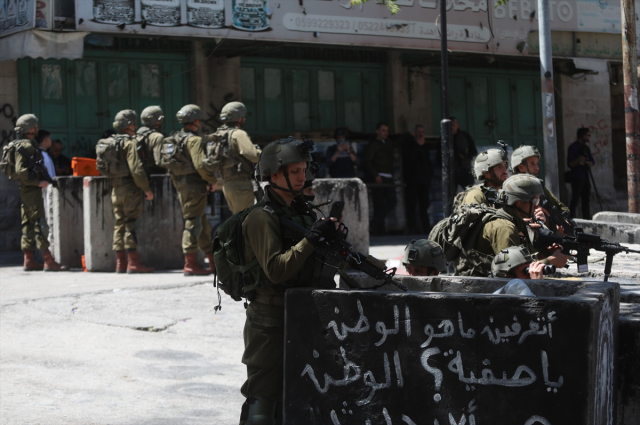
x,y
613,232
617,217
159,230
356,207
628,387
66,220
354,357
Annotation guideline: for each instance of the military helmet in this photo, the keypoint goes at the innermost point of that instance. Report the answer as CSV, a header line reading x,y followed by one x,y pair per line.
x,y
521,187
508,259
488,159
425,253
151,115
233,111
189,113
124,119
520,155
282,152
25,123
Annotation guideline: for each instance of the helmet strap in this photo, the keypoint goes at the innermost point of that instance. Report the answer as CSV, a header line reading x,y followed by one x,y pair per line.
x,y
493,179
290,190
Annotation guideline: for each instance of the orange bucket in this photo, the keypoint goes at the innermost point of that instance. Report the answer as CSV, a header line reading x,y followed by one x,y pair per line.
x,y
84,167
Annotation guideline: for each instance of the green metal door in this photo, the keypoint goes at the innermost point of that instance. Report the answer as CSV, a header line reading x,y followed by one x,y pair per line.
x,y
494,105
77,100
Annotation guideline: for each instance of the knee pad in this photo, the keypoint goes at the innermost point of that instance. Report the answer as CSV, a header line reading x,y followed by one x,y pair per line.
x,y
262,411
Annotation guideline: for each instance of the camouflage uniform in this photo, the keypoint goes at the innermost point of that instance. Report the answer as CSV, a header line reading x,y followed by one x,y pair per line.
x,y
151,139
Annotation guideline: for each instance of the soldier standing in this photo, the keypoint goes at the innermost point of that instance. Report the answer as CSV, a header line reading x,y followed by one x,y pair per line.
x,y
192,185
34,224
491,169
281,264
150,139
240,154
423,257
130,185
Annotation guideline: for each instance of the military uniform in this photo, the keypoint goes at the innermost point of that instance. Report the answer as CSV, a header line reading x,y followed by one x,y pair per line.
x,y
237,187
554,201
192,193
127,196
34,224
283,265
152,148
478,195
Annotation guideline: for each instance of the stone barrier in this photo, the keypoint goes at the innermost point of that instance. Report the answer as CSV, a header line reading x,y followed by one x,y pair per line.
x,y
613,232
365,357
356,207
66,220
617,217
159,230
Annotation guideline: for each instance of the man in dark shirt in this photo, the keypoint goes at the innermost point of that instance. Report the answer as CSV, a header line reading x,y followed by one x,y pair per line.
x,y
464,150
61,162
378,163
580,160
416,169
341,157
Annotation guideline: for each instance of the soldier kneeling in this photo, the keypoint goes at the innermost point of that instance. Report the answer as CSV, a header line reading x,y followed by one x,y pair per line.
x,y
423,257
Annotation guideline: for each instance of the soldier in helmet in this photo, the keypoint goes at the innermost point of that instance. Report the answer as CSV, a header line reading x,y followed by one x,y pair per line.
x,y
34,224
241,156
423,257
192,191
150,138
128,191
513,225
280,264
526,159
491,169
516,262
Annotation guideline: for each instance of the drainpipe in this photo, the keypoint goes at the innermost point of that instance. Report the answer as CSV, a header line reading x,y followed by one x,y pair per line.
x,y
446,138
631,114
548,102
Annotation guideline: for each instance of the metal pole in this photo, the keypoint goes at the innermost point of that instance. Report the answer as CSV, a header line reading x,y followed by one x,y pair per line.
x,y
631,114
448,180
548,102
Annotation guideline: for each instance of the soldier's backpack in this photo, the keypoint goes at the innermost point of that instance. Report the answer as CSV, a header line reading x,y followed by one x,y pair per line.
x,y
8,162
173,155
458,233
111,159
221,156
231,272
489,192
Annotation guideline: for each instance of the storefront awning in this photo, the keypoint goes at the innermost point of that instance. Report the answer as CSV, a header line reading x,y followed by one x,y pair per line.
x,y
44,44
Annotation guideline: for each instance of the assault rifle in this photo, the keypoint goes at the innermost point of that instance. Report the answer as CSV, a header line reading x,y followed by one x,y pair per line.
x,y
581,243
337,250
36,167
559,217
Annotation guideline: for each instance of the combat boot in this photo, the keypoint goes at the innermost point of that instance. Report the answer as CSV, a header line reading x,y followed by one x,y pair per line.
x,y
134,266
262,411
191,267
50,265
30,264
212,265
121,262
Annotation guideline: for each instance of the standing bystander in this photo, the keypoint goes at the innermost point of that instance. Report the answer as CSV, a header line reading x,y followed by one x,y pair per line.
x,y
379,166
464,149
61,163
341,157
44,142
580,160
416,170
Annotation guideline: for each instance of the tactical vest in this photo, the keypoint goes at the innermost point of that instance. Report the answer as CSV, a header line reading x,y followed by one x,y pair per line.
x,y
174,156
111,159
222,159
145,150
490,193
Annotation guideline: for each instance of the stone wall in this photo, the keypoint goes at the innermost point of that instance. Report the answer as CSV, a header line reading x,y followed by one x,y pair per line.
x,y
9,195
586,102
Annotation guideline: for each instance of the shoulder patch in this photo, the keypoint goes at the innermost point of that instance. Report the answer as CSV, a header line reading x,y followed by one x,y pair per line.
x,y
268,209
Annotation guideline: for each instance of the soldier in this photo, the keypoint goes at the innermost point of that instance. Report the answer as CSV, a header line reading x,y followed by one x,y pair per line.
x,y
526,159
192,190
516,262
129,189
491,169
34,224
423,257
237,173
150,138
511,226
280,264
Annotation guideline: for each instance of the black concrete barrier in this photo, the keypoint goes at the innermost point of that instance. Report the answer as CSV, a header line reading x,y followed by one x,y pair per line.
x,y
376,357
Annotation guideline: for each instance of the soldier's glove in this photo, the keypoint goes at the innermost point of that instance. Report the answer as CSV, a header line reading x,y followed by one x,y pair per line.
x,y
320,229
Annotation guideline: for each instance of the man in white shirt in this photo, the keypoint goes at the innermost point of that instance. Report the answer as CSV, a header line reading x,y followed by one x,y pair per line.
x,y
44,140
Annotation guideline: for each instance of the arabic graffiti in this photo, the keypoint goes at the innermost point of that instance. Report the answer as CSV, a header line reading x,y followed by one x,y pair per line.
x,y
8,113
370,364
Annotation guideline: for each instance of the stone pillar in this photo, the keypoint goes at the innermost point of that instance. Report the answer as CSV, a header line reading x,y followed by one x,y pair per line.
x,y
66,220
159,230
356,207
10,229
